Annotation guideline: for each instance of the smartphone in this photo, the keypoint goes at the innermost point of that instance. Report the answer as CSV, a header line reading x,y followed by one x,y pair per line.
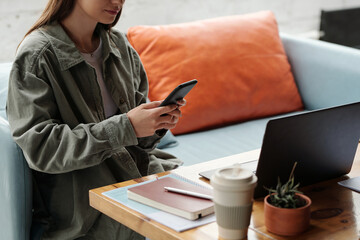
x,y
179,92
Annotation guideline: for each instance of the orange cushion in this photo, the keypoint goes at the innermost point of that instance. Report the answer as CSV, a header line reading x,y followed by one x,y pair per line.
x,y
239,61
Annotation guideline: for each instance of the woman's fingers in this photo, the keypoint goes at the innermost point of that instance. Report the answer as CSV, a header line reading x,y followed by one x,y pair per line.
x,y
149,117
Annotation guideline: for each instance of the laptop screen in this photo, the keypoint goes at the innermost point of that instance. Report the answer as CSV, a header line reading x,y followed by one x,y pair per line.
x,y
322,142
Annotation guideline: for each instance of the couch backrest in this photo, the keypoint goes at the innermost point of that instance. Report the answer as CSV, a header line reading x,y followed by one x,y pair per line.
x,y
326,74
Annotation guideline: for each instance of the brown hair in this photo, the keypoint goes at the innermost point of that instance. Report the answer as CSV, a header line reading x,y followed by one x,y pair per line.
x,y
57,10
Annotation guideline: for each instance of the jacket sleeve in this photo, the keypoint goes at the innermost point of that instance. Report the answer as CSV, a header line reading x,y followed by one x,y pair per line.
x,y
48,144
146,143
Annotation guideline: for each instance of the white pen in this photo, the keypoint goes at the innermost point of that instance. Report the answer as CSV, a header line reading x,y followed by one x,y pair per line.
x,y
189,193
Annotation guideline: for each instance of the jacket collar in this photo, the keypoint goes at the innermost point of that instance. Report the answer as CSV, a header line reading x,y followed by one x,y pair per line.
x,y
65,50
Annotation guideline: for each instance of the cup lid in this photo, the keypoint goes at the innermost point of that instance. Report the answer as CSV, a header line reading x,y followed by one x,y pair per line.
x,y
234,176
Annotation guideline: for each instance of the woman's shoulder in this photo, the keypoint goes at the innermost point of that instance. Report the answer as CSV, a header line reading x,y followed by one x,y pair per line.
x,y
48,44
32,48
117,35
33,43
122,43
119,38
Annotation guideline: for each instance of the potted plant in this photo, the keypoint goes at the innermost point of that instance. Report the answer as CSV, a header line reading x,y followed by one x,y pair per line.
x,y
287,210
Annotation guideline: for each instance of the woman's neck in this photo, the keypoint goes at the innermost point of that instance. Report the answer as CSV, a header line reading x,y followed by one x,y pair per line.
x,y
81,30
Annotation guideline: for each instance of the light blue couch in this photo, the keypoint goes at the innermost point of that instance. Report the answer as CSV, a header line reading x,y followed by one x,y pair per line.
x,y
326,75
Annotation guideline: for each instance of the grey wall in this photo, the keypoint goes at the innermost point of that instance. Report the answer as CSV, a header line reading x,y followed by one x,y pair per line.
x,y
300,17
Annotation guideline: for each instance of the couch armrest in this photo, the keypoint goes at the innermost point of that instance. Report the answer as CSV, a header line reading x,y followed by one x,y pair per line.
x,y
4,79
15,188
326,74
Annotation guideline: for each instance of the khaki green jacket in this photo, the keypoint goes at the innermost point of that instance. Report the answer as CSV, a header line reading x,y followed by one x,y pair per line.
x,y
56,116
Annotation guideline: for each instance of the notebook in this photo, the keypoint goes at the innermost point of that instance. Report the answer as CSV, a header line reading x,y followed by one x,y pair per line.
x,y
172,221
155,195
323,142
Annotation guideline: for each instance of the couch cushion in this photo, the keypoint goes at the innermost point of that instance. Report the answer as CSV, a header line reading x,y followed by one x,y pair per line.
x,y
239,61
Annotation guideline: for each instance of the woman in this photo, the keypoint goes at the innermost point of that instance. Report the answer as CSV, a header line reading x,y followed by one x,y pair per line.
x,y
76,106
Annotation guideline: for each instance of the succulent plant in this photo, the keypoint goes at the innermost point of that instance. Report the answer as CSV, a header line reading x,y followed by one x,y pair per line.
x,y
284,195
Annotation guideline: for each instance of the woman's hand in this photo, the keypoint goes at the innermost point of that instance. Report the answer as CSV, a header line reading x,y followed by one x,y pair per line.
x,y
149,117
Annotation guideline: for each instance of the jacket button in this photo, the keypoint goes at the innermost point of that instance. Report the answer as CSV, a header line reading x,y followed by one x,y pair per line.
x,y
122,101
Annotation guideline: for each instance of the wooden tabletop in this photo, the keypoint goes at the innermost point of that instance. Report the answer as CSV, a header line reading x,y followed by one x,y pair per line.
x,y
335,209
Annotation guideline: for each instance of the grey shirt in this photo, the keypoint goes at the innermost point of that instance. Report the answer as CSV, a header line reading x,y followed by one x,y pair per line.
x,y
56,116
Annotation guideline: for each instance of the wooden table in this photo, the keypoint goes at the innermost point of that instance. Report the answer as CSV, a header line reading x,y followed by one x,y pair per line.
x,y
335,209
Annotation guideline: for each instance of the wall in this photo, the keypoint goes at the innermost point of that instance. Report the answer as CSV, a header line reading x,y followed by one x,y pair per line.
x,y
299,17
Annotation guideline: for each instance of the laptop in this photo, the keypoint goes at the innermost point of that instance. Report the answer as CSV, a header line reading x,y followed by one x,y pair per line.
x,y
322,142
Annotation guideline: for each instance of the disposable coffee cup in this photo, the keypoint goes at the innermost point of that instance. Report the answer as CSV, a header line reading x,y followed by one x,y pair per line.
x,y
233,198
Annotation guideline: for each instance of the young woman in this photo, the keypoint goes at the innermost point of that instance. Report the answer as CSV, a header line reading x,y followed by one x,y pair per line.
x,y
77,108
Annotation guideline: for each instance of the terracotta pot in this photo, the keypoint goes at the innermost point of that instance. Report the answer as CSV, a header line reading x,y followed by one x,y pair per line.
x,y
287,221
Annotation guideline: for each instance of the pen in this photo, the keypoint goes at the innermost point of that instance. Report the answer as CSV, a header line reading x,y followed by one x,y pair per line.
x,y
189,193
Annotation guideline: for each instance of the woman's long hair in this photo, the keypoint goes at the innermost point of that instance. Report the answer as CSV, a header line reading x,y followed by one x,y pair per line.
x,y
57,10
